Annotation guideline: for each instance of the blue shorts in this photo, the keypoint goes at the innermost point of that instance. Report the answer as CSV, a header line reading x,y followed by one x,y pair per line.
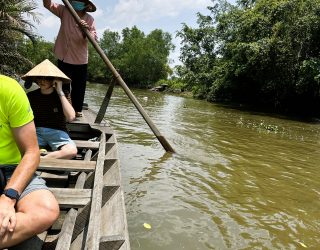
x,y
36,182
55,138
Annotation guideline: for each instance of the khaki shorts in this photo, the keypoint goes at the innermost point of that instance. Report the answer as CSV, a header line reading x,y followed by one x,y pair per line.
x,y
36,182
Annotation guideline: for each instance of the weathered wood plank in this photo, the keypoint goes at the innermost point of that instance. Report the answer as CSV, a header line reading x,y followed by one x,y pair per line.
x,y
54,180
107,165
81,181
112,174
114,207
65,236
81,222
88,155
87,144
70,197
93,235
66,165
113,242
109,147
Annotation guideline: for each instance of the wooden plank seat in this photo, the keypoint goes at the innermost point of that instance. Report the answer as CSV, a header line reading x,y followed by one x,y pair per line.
x,y
66,165
71,197
87,144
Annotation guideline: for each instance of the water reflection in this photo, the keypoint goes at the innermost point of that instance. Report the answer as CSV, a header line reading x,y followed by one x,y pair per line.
x,y
240,180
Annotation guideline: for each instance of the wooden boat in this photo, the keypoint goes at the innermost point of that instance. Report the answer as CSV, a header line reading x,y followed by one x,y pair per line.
x,y
89,193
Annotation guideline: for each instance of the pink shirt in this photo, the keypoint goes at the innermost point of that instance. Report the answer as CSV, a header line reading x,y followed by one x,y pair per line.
x,y
71,46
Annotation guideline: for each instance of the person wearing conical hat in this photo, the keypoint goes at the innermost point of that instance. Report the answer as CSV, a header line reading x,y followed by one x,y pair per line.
x,y
27,207
71,46
51,109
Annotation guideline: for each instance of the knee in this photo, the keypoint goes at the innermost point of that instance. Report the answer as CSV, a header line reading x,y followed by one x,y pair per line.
x,y
52,211
40,210
69,151
47,214
72,152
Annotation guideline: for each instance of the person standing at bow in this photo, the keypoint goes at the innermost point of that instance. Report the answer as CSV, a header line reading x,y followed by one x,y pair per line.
x,y
71,46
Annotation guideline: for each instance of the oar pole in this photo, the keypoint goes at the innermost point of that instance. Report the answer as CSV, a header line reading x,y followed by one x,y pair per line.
x,y
121,82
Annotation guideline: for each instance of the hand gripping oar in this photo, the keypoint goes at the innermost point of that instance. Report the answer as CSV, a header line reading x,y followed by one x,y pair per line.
x,y
120,81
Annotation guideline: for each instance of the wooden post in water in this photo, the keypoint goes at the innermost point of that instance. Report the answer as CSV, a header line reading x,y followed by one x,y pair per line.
x,y
121,82
105,103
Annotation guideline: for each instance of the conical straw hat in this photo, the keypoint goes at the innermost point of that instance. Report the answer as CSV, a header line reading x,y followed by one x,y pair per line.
x,y
46,68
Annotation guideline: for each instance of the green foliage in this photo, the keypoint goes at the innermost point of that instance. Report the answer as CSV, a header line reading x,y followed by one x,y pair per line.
x,y
198,55
36,51
262,52
14,24
141,59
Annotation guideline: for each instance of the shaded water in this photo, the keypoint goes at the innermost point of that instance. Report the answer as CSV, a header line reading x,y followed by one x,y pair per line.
x,y
239,180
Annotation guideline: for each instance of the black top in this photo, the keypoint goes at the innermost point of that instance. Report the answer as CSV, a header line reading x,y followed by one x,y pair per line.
x,y
47,110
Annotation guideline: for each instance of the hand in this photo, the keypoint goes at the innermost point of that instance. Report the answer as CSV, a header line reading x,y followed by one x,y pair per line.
x,y
84,24
8,218
58,86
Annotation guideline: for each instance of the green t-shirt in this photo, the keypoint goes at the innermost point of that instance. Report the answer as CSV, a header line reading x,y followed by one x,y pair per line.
x,y
15,111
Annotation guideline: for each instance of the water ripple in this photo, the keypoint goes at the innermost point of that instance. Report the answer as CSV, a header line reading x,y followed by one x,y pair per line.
x,y
240,180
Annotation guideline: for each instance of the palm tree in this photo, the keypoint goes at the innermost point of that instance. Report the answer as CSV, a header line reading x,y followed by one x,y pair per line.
x,y
14,25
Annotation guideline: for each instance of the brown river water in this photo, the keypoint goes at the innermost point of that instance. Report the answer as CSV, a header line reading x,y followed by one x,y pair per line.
x,y
239,180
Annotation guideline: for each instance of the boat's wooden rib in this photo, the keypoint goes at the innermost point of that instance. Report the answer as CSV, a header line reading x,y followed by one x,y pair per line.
x,y
89,193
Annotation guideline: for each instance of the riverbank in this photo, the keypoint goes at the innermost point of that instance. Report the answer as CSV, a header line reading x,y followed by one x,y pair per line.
x,y
177,88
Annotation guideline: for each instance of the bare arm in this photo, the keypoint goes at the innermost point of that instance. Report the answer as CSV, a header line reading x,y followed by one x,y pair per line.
x,y
68,110
54,8
26,140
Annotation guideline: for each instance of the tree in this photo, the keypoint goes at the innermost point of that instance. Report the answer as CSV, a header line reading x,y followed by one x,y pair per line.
x,y
14,25
198,55
36,51
141,59
262,53
144,59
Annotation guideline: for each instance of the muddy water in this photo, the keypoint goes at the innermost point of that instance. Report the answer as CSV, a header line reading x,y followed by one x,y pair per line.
x,y
239,180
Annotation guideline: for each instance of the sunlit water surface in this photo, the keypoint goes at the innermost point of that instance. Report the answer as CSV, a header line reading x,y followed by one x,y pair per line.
x,y
239,180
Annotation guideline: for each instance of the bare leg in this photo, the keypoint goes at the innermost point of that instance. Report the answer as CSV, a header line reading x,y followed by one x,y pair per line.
x,y
36,212
67,151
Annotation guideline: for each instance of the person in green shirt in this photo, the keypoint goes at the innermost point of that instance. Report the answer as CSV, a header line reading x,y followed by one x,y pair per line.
x,y
27,207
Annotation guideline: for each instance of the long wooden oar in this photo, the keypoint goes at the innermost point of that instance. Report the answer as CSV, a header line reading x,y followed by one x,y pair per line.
x,y
121,82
